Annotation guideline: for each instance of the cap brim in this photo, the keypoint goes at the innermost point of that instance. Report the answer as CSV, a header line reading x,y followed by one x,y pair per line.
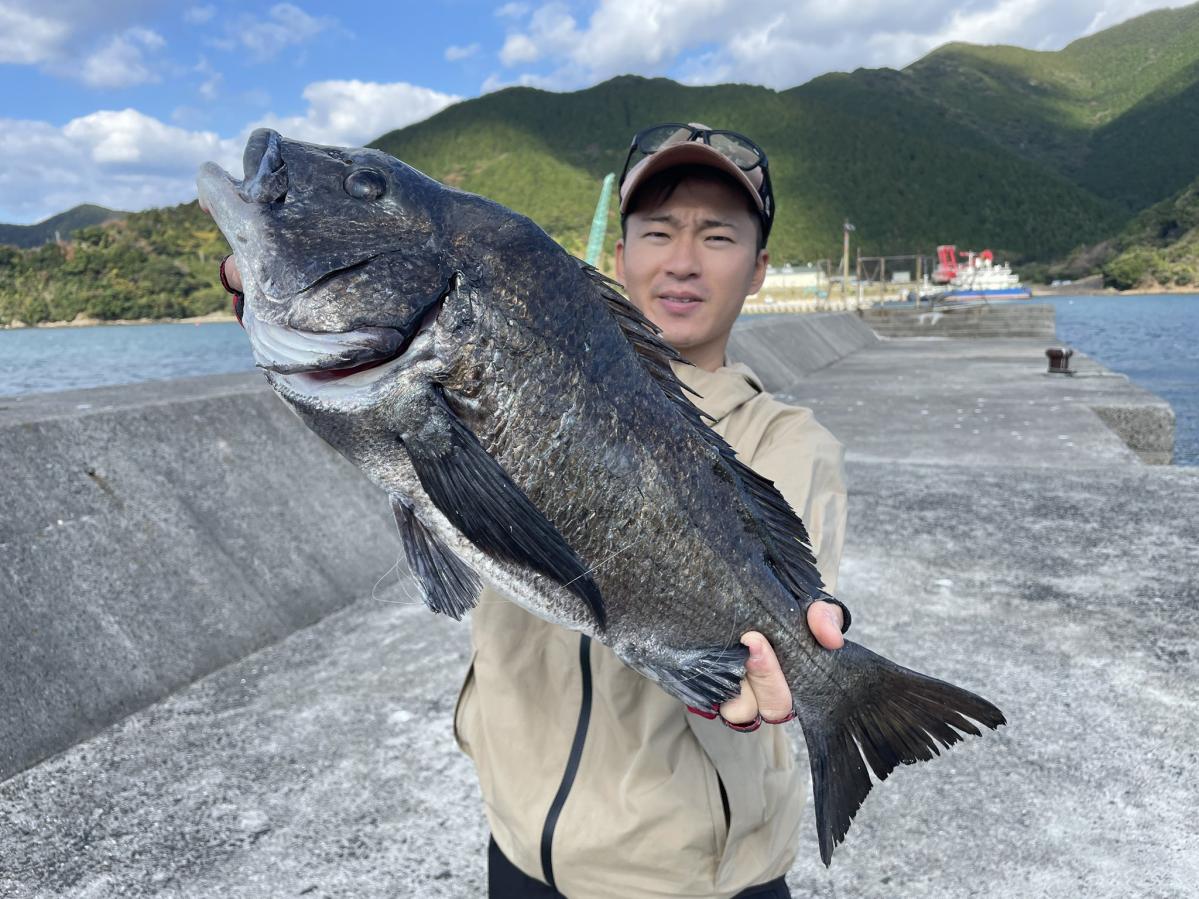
x,y
688,153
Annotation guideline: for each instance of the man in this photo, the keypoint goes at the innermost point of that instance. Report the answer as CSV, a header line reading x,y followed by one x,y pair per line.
x,y
597,784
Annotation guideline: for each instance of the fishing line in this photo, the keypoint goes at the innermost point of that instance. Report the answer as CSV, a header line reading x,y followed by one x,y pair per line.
x,y
405,588
600,565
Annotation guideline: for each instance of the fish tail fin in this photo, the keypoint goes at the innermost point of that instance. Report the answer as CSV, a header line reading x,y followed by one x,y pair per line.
x,y
883,715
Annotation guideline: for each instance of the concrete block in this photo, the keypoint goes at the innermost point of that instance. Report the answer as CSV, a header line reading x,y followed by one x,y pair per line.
x,y
156,532
785,348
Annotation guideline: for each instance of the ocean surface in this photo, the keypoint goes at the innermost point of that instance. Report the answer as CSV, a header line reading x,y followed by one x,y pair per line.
x,y
36,360
1152,339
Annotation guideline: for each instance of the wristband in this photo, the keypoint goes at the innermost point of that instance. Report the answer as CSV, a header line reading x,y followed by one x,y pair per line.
x,y
747,728
239,298
790,716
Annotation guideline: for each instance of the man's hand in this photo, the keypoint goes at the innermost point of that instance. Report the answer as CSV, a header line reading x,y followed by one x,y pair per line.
x,y
764,690
233,276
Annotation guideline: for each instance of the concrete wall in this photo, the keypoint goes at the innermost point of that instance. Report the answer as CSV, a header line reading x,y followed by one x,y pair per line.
x,y
153,533
972,321
784,348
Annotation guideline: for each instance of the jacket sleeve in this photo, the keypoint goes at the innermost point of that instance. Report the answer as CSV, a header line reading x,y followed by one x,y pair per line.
x,y
807,465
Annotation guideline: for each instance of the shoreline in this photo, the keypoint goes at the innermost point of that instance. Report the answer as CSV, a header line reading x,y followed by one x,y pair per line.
x,y
223,317
82,321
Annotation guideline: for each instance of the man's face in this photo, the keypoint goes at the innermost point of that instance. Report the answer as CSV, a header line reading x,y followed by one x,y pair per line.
x,y
689,263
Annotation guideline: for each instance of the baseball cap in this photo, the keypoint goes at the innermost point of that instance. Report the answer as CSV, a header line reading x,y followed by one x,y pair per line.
x,y
668,145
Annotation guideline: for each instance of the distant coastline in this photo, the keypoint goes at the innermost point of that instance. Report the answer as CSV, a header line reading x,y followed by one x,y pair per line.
x,y
83,321
223,317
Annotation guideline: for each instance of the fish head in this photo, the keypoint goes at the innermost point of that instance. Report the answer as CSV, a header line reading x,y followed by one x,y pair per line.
x,y
347,258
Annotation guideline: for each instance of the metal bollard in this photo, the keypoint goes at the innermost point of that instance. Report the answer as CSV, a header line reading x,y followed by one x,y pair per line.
x,y
1059,360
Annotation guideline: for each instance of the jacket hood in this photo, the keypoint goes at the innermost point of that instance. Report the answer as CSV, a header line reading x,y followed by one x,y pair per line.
x,y
723,391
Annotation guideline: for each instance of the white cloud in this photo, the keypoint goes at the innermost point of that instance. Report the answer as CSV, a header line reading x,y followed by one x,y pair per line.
x,y
121,62
210,87
513,10
198,15
118,158
27,38
102,44
286,25
519,48
350,113
709,41
453,53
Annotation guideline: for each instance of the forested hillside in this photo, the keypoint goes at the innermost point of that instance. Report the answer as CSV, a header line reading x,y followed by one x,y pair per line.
x,y
1160,247
903,177
57,227
155,264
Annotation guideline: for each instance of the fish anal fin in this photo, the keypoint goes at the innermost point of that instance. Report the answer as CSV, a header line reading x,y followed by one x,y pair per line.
x,y
479,498
703,677
891,716
450,586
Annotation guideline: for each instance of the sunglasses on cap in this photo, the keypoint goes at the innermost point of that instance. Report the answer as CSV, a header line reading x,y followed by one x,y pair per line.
x,y
733,146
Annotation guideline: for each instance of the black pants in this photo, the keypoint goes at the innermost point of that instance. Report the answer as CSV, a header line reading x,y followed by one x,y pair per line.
x,y
506,881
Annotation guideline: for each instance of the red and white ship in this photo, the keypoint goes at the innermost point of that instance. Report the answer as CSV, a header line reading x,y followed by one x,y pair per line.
x,y
974,276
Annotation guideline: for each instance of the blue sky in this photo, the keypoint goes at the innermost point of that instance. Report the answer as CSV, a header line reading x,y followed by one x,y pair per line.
x,y
117,102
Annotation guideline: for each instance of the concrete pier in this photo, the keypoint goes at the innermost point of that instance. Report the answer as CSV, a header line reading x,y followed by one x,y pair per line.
x,y
1002,536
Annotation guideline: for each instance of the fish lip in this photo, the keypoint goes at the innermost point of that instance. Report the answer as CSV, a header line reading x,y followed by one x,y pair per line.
x,y
214,184
345,352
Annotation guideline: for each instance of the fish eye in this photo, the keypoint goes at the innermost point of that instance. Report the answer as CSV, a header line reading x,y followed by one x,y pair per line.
x,y
365,184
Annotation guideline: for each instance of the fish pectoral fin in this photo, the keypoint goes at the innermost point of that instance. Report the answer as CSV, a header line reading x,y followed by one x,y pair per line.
x,y
449,585
474,492
886,716
704,677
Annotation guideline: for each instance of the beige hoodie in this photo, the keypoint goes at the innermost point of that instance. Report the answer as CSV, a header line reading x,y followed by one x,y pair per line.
x,y
645,813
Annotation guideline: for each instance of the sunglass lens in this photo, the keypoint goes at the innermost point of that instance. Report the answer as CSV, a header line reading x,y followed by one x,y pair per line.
x,y
742,154
654,139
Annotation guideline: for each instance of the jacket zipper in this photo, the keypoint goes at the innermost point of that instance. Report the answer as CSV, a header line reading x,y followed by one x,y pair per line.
x,y
572,764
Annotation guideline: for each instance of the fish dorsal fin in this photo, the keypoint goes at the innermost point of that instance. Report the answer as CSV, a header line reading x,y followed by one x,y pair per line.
x,y
788,547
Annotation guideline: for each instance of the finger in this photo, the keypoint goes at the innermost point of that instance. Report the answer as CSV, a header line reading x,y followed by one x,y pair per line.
x,y
743,709
772,695
824,621
232,275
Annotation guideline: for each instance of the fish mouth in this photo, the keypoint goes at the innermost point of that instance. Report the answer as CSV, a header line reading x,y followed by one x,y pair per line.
x,y
324,356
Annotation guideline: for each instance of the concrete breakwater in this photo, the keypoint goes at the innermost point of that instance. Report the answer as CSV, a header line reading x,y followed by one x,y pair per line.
x,y
1058,579
156,532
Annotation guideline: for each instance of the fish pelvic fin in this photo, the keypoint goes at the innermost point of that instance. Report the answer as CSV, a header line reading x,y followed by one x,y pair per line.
x,y
889,716
449,585
703,677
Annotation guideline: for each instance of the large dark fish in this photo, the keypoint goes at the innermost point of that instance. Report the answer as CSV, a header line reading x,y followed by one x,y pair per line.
x,y
524,418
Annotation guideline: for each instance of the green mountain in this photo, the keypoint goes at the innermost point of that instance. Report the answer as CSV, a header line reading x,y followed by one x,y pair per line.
x,y
1160,247
906,177
57,227
155,264
1116,112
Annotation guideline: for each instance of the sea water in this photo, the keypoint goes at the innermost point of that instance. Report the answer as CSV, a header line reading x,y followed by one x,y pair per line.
x,y
36,360
1152,339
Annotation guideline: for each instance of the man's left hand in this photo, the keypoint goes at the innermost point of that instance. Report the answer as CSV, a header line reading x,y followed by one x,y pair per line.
x,y
764,689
